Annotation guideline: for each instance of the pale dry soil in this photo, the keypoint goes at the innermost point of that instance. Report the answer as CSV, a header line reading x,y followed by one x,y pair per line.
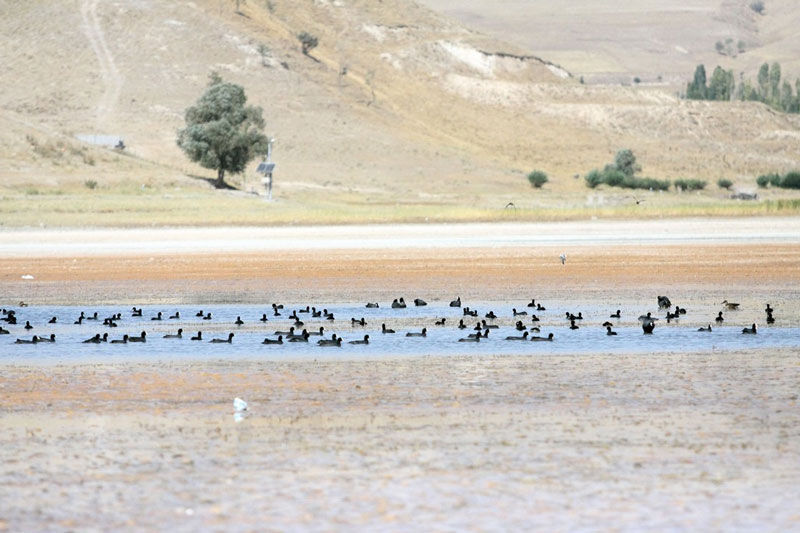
x,y
702,441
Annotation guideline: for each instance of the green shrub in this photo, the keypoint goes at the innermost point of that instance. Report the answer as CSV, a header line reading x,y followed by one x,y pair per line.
x,y
690,185
775,180
763,180
791,180
90,184
594,178
724,183
537,178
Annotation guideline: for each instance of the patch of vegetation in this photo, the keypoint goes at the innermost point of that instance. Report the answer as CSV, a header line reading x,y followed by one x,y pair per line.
x,y
790,180
724,183
222,132
757,6
90,184
622,173
690,185
537,178
307,41
769,89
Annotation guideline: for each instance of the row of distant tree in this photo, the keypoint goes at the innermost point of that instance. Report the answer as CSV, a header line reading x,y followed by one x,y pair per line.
x,y
769,87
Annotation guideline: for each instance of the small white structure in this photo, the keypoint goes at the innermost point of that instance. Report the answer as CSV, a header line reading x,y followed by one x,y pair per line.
x,y
266,168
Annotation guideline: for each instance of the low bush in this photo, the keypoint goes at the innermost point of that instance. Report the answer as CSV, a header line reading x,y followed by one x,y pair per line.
x,y
689,185
790,180
615,178
537,178
90,184
724,183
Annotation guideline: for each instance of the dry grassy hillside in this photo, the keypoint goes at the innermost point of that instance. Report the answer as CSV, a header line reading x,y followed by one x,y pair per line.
x,y
657,41
397,104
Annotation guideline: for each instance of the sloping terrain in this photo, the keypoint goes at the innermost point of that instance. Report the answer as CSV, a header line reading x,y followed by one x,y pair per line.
x,y
397,104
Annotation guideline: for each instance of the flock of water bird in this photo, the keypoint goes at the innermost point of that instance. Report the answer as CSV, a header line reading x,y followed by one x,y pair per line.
x,y
526,324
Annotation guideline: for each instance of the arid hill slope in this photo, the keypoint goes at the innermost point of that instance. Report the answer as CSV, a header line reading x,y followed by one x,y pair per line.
x,y
396,101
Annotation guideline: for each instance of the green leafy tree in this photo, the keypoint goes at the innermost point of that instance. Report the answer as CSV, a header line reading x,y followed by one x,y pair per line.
x,y
307,41
696,90
763,81
721,86
625,162
775,83
222,132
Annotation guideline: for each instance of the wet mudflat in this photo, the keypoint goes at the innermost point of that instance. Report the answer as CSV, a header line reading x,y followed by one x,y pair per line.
x,y
624,441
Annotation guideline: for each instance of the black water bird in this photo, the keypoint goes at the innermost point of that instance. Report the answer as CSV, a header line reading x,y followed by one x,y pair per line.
x,y
123,340
422,333
52,320
198,337
418,302
615,315
719,319
229,340
539,339
176,316
371,305
140,338
365,340
705,329
519,313
523,337
178,335
279,340
159,316
440,322
239,321
609,331
750,331
456,302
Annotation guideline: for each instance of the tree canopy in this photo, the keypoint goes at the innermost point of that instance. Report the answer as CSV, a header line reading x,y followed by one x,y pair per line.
x,y
222,132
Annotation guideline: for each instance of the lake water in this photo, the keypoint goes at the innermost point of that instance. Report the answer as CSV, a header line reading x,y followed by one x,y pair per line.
x,y
681,336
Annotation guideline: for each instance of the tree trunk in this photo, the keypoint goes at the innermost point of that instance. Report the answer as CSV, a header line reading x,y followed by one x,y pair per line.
x,y
220,179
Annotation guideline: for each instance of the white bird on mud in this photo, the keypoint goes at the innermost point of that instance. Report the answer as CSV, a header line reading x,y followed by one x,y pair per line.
x,y
239,405
563,258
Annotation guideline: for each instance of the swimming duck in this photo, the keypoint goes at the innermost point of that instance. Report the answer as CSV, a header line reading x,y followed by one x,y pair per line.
x,y
489,326
50,338
524,337
664,303
616,315
706,329
719,319
371,305
200,314
28,325
303,337
176,316
306,310
123,340
229,340
299,323
648,326
264,318
354,322
750,331
484,334
456,302
534,318
109,322
239,321
490,315
178,335
440,322
418,302
607,324
398,304
3,331
572,324
294,316
532,303
461,324
279,340
422,333
609,331
52,320
470,312
730,306
318,333
519,313
333,341
520,326
34,340
770,319
80,319
157,317
470,338
315,313
95,339
539,339
136,312
140,338
286,333
647,318
208,316
198,337
364,341
384,329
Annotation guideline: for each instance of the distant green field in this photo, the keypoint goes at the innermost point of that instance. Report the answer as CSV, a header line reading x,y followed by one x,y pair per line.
x,y
52,208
